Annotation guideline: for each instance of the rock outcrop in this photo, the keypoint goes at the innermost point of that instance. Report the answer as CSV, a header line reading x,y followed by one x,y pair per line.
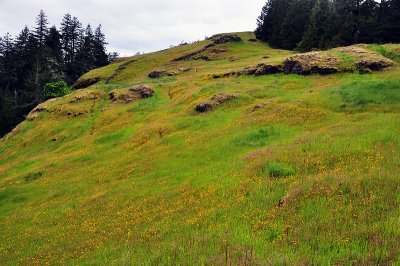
x,y
257,70
43,107
214,102
34,114
156,74
225,38
144,91
160,73
367,61
369,65
132,94
311,63
261,69
120,68
87,95
208,53
211,51
84,83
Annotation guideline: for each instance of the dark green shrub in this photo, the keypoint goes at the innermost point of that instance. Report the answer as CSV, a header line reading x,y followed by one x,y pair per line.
x,y
56,89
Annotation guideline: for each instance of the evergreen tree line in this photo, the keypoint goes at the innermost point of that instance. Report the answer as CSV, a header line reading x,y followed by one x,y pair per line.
x,y
321,24
41,56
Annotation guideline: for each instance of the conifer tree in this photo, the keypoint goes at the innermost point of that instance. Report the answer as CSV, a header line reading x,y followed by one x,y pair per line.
x,y
66,38
76,33
41,29
295,23
320,30
85,55
100,54
263,23
53,42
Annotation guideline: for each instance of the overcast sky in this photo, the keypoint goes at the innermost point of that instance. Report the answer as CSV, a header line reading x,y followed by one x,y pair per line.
x,y
139,25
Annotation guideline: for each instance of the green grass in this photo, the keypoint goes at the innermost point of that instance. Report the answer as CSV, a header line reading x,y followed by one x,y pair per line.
x,y
385,52
386,92
364,95
310,178
277,170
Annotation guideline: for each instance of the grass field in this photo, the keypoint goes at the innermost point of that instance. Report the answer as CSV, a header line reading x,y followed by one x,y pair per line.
x,y
312,177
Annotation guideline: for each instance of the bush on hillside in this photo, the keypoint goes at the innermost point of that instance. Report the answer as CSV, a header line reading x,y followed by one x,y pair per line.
x,y
56,89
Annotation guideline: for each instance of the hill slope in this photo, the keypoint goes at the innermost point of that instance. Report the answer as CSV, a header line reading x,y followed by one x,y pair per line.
x,y
289,169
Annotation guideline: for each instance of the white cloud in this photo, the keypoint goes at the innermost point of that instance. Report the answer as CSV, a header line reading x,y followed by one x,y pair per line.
x,y
136,25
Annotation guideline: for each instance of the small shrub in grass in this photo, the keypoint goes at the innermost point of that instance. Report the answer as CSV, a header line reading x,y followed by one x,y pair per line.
x,y
276,170
33,176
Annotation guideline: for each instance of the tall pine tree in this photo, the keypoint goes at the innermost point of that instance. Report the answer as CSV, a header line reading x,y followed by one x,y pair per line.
x,y
321,27
41,28
295,23
100,54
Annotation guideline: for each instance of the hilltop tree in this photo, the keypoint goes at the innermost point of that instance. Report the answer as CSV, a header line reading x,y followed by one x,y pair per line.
x,y
263,26
283,23
41,57
53,42
388,26
41,29
8,92
76,36
66,38
295,23
320,29
7,60
271,20
85,55
100,54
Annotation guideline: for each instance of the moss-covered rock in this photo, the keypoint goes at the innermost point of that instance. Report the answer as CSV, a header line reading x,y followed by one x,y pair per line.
x,y
132,94
311,63
214,102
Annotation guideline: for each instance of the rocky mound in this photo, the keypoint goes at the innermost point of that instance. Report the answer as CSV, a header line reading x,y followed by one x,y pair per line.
x,y
43,107
87,95
261,69
214,102
156,74
208,53
257,70
160,73
225,38
367,61
369,65
211,51
311,63
119,70
132,94
323,63
36,112
84,83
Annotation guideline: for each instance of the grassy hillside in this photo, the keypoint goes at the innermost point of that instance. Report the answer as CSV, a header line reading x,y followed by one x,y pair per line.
x,y
294,170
